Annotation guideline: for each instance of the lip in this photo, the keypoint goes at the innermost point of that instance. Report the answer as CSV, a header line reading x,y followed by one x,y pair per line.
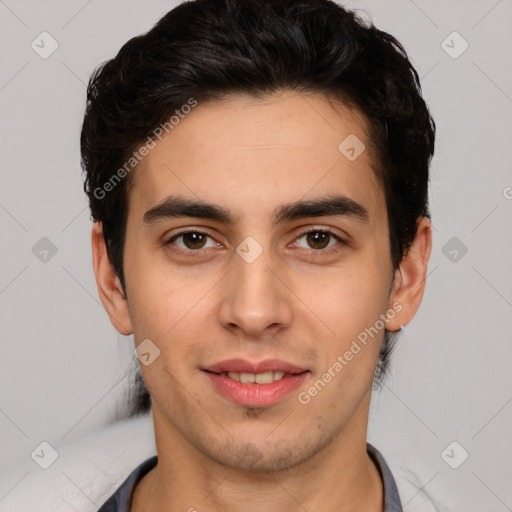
x,y
244,366
252,394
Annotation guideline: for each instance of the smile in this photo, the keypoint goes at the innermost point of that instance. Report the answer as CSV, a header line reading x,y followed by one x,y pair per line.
x,y
258,378
255,384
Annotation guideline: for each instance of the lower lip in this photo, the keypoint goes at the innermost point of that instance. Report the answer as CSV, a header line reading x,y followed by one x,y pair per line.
x,y
256,395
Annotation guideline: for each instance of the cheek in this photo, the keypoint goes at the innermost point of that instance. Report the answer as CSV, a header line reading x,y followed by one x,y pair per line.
x,y
350,302
172,309
157,300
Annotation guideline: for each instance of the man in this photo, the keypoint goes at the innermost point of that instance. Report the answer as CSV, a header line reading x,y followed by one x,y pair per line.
x,y
258,176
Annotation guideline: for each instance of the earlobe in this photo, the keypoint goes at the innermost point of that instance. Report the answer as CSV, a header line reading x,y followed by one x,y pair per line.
x,y
109,286
410,277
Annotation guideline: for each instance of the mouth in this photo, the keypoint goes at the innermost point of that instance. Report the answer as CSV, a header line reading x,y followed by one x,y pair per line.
x,y
255,378
255,384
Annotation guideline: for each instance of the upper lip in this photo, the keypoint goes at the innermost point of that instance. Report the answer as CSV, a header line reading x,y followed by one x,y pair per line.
x,y
244,366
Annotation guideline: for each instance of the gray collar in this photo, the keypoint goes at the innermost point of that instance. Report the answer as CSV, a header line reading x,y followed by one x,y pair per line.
x,y
392,501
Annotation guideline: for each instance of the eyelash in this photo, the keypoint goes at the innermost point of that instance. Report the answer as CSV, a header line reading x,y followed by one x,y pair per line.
x,y
312,252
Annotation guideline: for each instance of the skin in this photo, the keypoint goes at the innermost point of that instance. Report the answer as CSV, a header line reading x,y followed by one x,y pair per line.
x,y
296,302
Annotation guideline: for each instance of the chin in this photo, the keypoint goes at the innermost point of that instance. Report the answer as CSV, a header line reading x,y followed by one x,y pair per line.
x,y
266,457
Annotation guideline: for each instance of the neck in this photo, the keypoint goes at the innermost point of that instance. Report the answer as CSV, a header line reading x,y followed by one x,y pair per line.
x,y
341,476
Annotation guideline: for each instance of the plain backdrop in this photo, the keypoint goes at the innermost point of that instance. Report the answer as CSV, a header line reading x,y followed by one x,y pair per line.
x,y
64,369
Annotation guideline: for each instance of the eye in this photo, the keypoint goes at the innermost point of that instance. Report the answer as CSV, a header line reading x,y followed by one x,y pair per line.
x,y
318,239
192,240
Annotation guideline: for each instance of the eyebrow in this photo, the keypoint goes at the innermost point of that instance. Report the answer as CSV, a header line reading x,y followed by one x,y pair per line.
x,y
176,206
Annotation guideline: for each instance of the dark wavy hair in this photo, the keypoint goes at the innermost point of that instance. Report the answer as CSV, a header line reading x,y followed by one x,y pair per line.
x,y
205,49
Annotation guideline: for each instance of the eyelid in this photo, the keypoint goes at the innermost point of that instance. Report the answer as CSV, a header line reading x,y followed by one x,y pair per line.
x,y
188,229
322,229
307,230
189,253
202,231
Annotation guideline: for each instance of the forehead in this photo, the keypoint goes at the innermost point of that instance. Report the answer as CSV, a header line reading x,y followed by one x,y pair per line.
x,y
254,154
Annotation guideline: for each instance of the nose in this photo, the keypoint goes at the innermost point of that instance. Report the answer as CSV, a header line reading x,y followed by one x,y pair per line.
x,y
255,302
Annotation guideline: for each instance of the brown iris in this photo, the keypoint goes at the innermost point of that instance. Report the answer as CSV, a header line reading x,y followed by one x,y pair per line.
x,y
318,239
194,240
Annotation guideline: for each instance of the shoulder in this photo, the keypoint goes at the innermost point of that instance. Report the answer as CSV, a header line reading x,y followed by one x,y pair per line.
x,y
411,483
87,471
122,499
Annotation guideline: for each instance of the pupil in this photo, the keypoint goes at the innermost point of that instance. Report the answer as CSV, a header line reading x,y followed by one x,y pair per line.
x,y
318,239
194,240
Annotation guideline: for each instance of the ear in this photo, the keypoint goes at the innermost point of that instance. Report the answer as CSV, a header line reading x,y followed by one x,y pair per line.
x,y
410,277
109,286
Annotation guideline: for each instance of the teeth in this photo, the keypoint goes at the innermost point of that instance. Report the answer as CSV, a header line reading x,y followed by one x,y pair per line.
x,y
259,378
264,378
246,378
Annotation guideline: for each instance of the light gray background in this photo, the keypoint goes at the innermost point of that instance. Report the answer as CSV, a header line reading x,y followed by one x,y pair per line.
x,y
64,369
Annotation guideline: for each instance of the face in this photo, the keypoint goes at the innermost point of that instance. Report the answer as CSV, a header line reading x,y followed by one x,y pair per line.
x,y
277,273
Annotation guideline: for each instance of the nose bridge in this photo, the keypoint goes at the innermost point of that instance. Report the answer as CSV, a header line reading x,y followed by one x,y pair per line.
x,y
254,281
255,299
